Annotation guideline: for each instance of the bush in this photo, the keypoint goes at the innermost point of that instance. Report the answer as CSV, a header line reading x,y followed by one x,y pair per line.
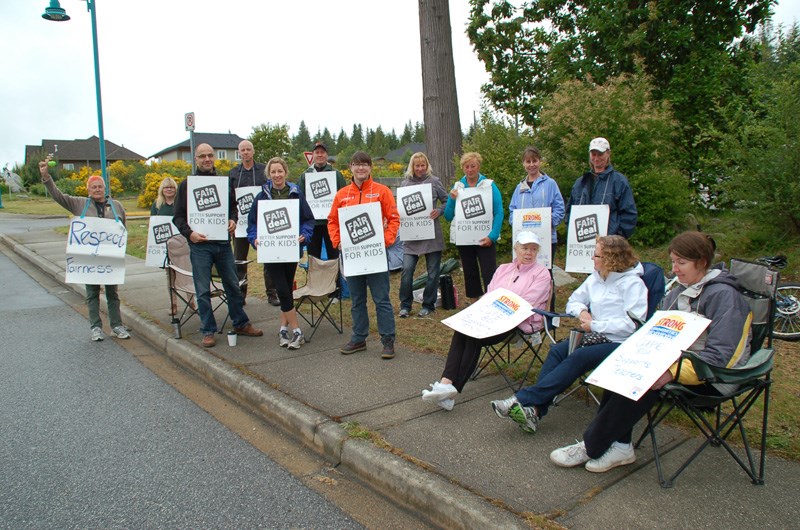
x,y
70,186
37,189
642,134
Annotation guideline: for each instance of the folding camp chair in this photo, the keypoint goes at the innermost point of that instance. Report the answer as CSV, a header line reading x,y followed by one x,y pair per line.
x,y
503,355
737,389
320,292
653,278
181,284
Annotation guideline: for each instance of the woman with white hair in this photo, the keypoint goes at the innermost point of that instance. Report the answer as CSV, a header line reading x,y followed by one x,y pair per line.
x,y
525,277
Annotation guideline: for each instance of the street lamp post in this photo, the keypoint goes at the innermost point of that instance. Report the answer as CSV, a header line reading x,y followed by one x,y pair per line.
x,y
57,14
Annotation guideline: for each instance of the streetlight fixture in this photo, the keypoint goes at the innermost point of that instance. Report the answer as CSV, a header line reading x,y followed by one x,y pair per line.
x,y
57,14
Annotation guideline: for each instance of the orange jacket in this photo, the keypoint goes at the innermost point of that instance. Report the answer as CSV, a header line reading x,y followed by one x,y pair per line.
x,y
370,191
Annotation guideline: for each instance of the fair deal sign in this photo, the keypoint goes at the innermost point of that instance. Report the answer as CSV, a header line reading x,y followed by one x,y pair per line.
x,y
207,206
96,251
278,229
245,197
496,312
363,247
586,223
159,231
473,216
415,204
320,191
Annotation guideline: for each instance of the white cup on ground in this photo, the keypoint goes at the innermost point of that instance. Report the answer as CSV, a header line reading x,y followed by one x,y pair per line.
x,y
232,336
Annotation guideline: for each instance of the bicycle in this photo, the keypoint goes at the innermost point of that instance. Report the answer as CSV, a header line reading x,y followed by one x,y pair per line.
x,y
787,303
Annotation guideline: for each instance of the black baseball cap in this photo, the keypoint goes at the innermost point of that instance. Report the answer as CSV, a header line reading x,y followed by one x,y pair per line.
x,y
320,145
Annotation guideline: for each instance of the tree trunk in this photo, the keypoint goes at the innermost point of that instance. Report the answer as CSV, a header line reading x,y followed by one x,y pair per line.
x,y
439,96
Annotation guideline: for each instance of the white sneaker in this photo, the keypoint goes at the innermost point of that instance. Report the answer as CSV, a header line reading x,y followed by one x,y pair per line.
x,y
120,332
439,392
284,338
502,406
570,456
447,404
97,334
617,455
298,339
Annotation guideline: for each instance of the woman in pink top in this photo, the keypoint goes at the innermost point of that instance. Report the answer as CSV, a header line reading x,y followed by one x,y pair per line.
x,y
525,277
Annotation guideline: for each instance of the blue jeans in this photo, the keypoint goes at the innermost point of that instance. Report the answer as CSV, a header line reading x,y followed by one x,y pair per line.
x,y
560,370
203,257
378,284
433,261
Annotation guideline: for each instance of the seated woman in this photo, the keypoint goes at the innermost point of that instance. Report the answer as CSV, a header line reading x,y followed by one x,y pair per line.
x,y
712,293
601,304
525,277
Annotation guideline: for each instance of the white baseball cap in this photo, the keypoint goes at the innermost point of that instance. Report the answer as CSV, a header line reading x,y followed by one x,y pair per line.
x,y
599,144
526,237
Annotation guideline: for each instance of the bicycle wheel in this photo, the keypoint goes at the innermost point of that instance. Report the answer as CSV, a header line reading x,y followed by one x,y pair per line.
x,y
787,312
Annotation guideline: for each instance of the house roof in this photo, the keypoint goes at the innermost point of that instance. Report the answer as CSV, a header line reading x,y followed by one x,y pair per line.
x,y
88,149
215,140
399,154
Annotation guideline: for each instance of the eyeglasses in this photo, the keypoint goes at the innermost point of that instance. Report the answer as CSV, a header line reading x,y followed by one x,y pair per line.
x,y
359,164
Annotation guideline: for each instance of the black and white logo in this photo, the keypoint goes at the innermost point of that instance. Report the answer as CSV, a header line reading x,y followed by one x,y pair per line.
x,y
162,232
586,228
206,198
245,202
277,221
360,228
473,207
413,203
320,188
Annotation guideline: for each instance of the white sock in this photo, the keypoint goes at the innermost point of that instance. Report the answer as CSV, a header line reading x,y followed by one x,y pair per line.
x,y
621,445
284,328
297,330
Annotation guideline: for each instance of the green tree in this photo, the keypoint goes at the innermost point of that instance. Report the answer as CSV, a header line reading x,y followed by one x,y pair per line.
x,y
408,133
357,138
342,141
376,142
419,133
642,134
271,140
302,140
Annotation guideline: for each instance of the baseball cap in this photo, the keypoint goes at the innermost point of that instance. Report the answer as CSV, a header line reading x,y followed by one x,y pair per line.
x,y
599,144
320,145
525,237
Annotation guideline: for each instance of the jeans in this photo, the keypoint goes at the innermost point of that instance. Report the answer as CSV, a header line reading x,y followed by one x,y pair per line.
x,y
203,257
560,370
378,284
433,261
93,303
241,247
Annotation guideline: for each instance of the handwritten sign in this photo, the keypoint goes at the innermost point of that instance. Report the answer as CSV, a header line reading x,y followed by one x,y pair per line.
x,y
586,223
363,247
245,197
207,206
415,204
96,251
538,221
278,229
473,216
160,229
496,312
320,191
638,362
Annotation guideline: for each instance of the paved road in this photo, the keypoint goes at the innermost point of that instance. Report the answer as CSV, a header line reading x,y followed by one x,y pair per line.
x,y
92,439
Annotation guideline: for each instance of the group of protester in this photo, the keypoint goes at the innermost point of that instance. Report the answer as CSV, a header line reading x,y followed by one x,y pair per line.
x,y
603,304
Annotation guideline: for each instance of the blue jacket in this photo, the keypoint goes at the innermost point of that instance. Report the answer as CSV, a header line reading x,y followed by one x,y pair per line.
x,y
497,208
612,188
306,215
542,193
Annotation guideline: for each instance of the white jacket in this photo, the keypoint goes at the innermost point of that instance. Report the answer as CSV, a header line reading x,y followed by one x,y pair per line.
x,y
610,300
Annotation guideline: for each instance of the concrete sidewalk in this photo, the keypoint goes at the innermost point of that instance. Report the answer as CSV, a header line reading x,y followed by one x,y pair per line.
x,y
464,468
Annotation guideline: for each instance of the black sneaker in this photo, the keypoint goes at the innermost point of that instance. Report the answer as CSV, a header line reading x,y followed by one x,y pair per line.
x,y
272,297
388,350
353,347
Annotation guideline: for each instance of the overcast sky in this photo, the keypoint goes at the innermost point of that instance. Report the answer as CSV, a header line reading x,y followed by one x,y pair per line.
x,y
236,64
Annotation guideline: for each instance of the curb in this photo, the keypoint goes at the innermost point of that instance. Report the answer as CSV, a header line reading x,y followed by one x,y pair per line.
x,y
440,500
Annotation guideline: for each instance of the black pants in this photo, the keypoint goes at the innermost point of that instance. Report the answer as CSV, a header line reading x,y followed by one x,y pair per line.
x,y
319,236
463,356
282,276
240,249
478,263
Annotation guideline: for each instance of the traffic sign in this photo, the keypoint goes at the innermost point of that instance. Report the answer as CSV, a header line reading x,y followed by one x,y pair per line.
x,y
309,156
188,119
